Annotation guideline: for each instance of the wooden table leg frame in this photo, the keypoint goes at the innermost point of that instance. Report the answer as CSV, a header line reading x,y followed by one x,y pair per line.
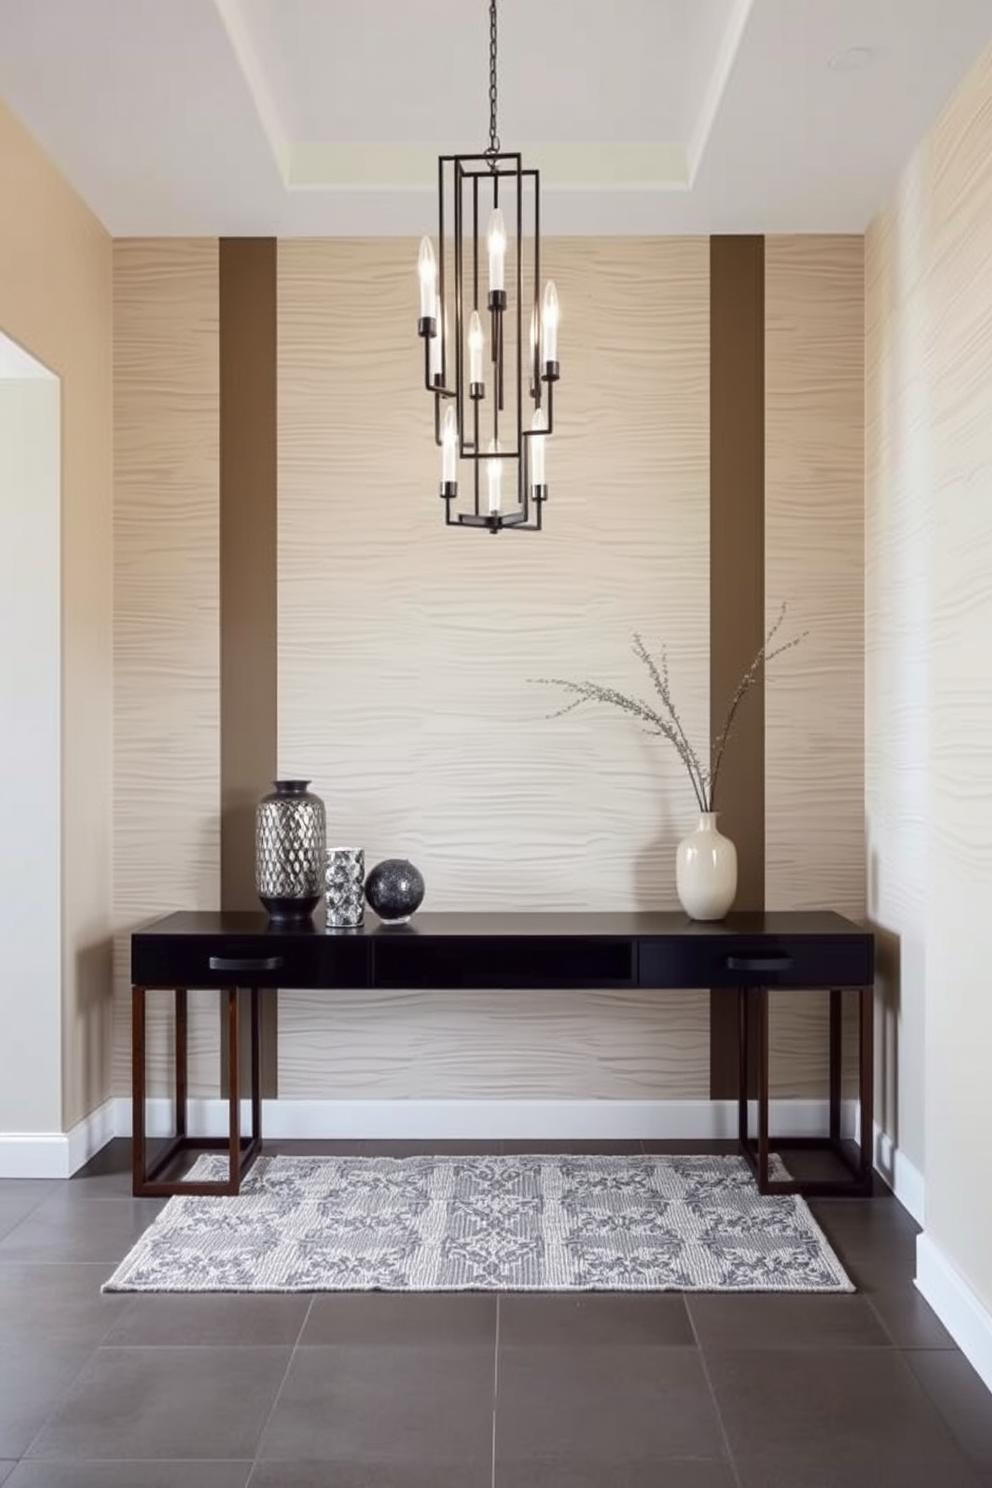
x,y
757,1150
241,1151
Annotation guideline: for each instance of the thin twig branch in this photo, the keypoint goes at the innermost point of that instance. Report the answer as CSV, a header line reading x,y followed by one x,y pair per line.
x,y
667,723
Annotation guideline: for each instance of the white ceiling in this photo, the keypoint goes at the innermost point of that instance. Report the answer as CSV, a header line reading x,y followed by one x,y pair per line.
x,y
326,116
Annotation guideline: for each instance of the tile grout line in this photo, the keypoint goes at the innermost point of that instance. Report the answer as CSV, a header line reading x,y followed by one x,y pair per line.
x,y
279,1389
495,1389
704,1366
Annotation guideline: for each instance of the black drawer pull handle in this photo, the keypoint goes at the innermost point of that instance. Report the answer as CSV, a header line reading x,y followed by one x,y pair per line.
x,y
759,963
245,963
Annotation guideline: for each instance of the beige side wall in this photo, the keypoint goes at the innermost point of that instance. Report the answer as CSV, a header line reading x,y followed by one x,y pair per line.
x,y
166,618
930,649
55,299
814,564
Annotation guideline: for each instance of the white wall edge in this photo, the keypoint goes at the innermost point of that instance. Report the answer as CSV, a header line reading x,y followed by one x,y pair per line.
x,y
57,1154
903,1177
483,1120
960,1311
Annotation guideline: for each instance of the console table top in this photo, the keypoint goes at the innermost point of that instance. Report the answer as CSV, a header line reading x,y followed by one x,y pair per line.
x,y
575,925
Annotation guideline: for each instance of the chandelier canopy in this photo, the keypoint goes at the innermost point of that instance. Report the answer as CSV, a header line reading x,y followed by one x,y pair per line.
x,y
490,332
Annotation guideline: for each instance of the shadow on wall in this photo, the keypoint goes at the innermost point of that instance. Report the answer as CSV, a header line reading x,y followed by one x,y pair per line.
x,y
95,1013
888,982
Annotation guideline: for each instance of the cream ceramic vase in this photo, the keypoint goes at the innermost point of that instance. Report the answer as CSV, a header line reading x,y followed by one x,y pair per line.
x,y
706,871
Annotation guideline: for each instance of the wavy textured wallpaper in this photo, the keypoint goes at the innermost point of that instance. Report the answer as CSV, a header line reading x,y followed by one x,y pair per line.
x,y
405,651
929,657
814,563
166,614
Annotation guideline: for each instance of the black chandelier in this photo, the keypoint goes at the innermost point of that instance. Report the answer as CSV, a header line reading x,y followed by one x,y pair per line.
x,y
491,426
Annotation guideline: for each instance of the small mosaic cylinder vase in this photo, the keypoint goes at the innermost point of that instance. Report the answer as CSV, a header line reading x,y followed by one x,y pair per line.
x,y
290,845
344,888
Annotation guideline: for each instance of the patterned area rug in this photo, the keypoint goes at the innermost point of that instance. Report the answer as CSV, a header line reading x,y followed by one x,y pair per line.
x,y
528,1223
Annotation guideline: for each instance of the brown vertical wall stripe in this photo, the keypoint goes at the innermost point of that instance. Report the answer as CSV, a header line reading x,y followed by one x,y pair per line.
x,y
737,580
248,468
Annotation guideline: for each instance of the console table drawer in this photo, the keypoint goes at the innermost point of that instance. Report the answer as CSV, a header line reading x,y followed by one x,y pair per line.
x,y
529,961
249,961
689,962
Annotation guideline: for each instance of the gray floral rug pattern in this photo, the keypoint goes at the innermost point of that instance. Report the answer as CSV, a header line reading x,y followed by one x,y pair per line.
x,y
526,1223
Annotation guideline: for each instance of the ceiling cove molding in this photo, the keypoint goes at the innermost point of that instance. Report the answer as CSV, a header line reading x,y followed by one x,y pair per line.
x,y
325,165
239,34
730,45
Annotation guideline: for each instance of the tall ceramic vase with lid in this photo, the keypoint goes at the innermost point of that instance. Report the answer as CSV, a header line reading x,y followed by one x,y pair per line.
x,y
706,871
290,846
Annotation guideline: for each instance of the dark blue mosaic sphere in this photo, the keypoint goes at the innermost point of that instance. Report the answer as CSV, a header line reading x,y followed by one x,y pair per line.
x,y
394,888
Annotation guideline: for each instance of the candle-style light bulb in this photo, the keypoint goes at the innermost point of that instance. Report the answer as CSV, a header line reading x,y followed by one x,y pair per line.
x,y
476,346
494,475
496,242
427,269
549,328
449,446
436,347
537,443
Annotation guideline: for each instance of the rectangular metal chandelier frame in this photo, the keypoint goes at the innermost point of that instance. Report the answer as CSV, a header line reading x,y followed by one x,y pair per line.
x,y
459,176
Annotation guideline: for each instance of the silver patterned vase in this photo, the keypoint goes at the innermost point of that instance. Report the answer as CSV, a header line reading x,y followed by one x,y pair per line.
x,y
290,843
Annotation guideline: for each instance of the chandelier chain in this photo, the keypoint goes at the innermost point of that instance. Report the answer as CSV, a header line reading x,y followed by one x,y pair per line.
x,y
493,150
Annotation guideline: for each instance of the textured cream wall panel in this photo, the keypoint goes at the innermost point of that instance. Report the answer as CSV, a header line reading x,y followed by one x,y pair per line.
x,y
814,561
956,232
55,300
405,649
468,1045
898,536
166,619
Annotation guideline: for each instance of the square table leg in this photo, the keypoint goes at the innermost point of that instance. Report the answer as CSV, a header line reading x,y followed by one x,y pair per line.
x,y
148,1179
758,1153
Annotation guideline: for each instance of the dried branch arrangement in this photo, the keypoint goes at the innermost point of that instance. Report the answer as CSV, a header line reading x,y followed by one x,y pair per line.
x,y
664,720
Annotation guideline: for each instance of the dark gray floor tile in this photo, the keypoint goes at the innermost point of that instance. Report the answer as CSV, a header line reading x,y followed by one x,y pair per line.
x,y
321,1147
908,1318
34,1379
17,1203
28,1191
131,1475
209,1320
571,1472
604,1404
832,1418
874,1238
395,1405
570,1320
372,1475
65,1229
203,1403
703,1147
56,1302
433,1147
6,1468
579,1147
421,1318
962,1399
107,1175
781,1321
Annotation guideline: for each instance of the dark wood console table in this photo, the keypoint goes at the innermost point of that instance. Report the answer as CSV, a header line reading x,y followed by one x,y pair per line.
x,y
749,953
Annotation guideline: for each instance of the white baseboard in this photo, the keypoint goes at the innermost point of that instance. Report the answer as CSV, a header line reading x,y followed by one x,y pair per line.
x,y
960,1311
903,1177
489,1120
60,1154
57,1154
